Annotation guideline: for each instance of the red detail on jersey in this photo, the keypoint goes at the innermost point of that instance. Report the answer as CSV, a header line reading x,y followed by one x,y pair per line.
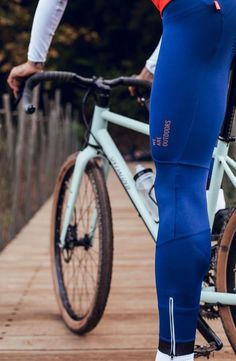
x,y
161,4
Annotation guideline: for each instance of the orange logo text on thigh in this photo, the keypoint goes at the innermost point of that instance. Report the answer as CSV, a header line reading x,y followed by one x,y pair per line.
x,y
164,140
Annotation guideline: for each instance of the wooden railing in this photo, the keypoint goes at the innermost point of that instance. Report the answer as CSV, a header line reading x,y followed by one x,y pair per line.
x,y
32,149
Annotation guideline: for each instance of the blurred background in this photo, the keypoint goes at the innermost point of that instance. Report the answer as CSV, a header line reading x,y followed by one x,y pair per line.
x,y
93,39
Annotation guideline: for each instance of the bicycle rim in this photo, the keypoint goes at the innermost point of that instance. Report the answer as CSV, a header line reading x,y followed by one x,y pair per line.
x,y
82,270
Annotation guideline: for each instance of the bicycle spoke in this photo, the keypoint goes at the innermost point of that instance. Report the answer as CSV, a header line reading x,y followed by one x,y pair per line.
x,y
80,261
94,262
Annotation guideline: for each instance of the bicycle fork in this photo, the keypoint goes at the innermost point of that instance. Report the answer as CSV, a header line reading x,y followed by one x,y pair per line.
x,y
80,165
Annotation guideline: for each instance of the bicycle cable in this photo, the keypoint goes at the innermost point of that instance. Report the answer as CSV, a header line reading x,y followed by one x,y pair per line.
x,y
84,118
88,132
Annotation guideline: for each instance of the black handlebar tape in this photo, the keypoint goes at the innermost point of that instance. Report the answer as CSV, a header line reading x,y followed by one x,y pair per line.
x,y
66,77
49,75
137,83
129,81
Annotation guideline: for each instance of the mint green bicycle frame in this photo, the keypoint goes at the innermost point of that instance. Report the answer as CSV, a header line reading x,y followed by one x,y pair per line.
x,y
101,138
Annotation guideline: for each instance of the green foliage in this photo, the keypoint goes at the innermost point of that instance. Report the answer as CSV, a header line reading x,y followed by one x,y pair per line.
x,y
111,38
15,20
95,37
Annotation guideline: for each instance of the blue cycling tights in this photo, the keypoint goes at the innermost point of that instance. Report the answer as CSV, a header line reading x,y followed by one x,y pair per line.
x,y
188,104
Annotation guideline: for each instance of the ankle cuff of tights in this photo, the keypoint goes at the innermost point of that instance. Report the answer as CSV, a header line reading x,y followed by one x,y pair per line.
x,y
181,348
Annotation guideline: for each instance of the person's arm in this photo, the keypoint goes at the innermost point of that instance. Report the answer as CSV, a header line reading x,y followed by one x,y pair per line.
x,y
149,69
47,17
152,61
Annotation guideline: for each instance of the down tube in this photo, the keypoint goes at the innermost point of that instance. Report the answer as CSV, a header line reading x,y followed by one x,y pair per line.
x,y
126,178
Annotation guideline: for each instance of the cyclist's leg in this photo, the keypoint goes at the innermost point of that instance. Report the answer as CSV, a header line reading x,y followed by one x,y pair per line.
x,y
187,108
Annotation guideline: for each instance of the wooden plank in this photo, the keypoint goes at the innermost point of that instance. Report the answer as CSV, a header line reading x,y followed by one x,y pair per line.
x,y
17,176
30,324
90,355
9,126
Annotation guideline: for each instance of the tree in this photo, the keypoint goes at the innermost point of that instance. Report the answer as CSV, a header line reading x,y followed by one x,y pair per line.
x,y
119,35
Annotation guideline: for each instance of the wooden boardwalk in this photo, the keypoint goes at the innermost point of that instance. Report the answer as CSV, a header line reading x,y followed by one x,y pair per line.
x,y
30,324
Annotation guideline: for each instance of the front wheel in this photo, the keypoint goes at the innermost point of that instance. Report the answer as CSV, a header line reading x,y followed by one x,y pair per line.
x,y
226,275
82,269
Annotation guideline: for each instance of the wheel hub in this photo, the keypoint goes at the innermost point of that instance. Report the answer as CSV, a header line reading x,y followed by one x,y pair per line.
x,y
72,242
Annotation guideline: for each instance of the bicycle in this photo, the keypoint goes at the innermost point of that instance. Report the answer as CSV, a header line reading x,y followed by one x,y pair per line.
x,y
81,229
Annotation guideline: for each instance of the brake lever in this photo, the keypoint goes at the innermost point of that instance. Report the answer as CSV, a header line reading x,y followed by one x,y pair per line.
x,y
17,100
142,100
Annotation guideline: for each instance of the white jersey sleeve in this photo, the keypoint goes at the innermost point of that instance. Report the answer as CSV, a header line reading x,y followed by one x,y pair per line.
x,y
152,61
47,17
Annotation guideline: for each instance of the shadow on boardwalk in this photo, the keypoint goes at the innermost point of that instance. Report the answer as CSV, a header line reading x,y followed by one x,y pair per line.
x,y
30,324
